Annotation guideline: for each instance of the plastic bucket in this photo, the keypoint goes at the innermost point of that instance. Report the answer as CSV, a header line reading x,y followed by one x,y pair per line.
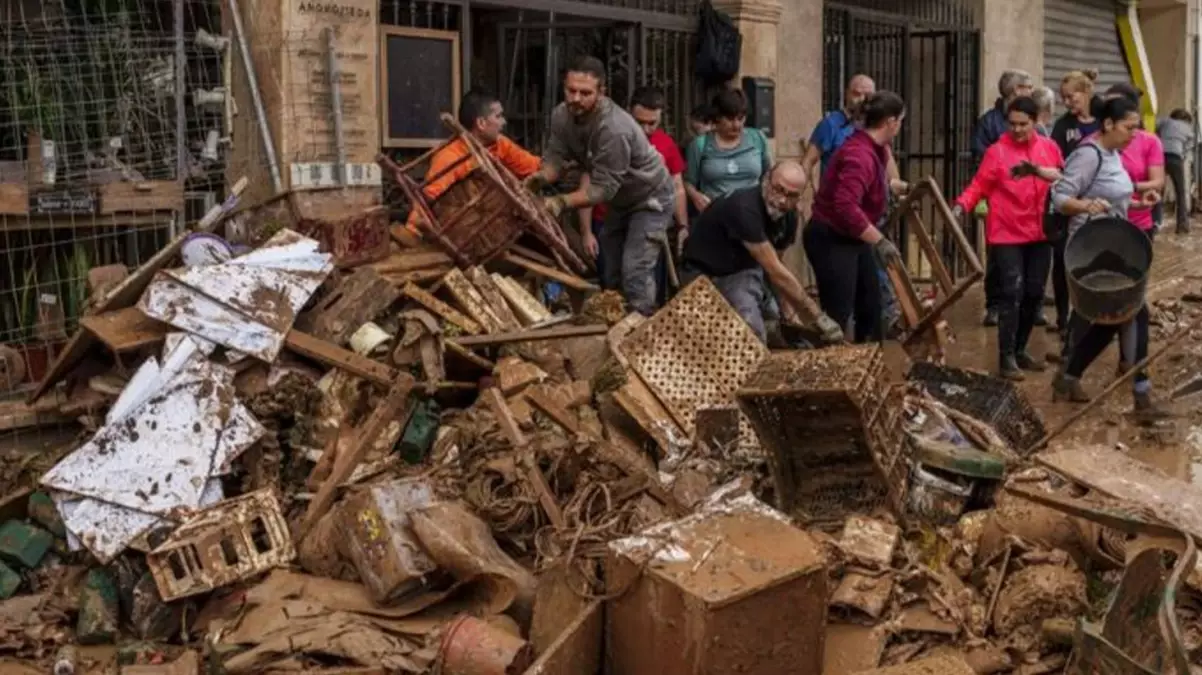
x,y
472,646
1108,260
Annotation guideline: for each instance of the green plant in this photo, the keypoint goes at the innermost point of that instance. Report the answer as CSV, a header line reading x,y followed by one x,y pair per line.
x,y
39,104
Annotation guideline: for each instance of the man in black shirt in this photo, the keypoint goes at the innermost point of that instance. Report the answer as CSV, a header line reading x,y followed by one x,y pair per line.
x,y
738,241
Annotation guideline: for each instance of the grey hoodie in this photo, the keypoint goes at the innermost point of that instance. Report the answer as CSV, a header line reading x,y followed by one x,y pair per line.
x,y
1083,178
627,172
1177,136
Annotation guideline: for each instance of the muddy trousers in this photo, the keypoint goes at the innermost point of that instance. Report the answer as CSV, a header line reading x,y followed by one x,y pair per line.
x,y
1174,166
1022,271
847,274
630,245
747,292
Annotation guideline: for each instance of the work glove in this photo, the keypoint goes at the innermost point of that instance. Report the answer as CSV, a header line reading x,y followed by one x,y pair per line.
x,y
887,251
831,332
554,205
535,182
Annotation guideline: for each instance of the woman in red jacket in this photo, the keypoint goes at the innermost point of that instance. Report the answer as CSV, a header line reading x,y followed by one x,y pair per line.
x,y
1015,176
843,241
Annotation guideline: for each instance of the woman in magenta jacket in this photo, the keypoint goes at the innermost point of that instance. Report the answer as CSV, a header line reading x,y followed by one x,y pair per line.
x,y
1015,175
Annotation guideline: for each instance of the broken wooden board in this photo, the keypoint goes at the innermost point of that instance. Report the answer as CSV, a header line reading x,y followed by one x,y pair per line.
x,y
493,298
640,403
528,309
356,300
332,355
472,302
442,309
394,408
569,280
125,330
1119,476
22,415
578,649
531,335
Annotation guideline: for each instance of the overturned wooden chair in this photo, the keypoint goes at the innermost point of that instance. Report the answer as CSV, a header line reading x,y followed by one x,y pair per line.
x,y
925,332
483,214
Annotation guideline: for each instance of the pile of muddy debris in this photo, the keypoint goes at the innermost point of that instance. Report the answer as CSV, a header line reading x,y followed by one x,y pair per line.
x,y
414,466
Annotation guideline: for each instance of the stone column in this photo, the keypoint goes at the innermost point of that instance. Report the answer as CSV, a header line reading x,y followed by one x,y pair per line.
x,y
757,21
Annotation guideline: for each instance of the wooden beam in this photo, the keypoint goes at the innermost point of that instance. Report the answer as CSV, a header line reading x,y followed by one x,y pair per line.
x,y
569,280
526,459
530,335
333,355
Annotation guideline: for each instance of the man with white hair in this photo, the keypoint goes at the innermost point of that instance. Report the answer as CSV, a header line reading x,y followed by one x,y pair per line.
x,y
1045,99
989,128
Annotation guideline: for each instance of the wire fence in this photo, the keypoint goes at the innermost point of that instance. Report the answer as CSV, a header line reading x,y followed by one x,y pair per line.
x,y
110,143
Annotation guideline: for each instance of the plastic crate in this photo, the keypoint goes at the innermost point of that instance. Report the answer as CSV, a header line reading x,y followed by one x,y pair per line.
x,y
992,400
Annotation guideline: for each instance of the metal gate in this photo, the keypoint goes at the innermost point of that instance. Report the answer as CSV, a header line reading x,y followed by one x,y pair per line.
x,y
532,56
936,70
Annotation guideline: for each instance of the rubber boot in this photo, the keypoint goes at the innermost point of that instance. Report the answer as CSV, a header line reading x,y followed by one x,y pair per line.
x,y
1029,363
1008,369
1068,388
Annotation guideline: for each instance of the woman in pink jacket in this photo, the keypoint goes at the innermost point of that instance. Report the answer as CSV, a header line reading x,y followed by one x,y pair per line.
x,y
1015,176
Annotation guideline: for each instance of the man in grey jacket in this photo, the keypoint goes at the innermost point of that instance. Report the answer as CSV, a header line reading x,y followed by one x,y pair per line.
x,y
624,171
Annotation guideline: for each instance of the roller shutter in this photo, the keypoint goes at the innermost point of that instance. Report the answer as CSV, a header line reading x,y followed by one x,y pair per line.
x,y
1081,34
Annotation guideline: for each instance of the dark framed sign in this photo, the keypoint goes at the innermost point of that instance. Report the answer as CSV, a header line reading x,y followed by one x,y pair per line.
x,y
420,78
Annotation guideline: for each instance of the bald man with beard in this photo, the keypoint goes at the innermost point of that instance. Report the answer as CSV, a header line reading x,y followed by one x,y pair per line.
x,y
737,242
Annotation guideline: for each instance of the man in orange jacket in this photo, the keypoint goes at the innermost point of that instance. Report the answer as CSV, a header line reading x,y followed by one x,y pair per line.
x,y
483,116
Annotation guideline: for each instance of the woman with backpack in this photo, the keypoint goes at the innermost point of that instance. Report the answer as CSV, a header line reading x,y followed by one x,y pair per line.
x,y
729,157
1015,176
1095,184
1074,126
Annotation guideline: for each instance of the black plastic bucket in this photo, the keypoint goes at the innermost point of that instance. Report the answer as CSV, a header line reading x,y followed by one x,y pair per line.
x,y
1108,260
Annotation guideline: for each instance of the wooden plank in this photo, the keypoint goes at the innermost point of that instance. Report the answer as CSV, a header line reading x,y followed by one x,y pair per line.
x,y
528,309
531,335
496,402
356,300
470,299
126,329
442,309
578,649
21,415
154,195
469,355
411,260
638,401
1119,476
569,280
333,355
493,298
394,408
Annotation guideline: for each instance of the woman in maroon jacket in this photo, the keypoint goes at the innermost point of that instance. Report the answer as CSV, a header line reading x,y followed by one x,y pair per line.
x,y
842,235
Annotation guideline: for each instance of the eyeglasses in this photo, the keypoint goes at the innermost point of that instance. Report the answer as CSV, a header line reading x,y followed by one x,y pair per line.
x,y
784,193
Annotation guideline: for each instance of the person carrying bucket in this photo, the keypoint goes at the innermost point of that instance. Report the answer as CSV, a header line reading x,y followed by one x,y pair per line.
x,y
1094,185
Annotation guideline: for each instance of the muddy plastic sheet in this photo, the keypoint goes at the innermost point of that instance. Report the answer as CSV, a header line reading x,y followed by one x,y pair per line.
x,y
247,304
174,427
